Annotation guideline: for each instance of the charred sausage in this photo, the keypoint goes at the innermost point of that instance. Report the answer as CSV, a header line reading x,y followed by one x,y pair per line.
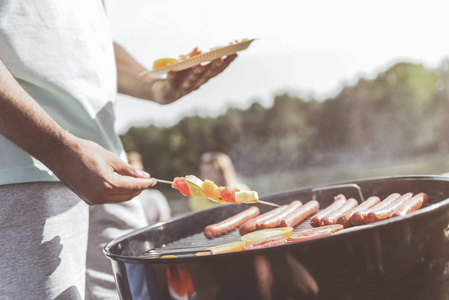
x,y
317,220
300,214
385,212
214,230
368,203
411,205
333,216
358,218
250,225
275,221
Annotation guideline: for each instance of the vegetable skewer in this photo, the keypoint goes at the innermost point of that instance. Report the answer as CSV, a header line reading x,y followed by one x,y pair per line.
x,y
254,200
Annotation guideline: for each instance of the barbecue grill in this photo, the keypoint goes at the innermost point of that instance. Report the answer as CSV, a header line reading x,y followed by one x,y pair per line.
x,y
399,258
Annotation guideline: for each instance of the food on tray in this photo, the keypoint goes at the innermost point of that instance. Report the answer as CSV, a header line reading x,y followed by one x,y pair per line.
x,y
276,220
227,248
164,62
411,205
266,233
313,233
193,53
317,220
297,216
333,216
358,218
214,230
367,204
265,243
378,214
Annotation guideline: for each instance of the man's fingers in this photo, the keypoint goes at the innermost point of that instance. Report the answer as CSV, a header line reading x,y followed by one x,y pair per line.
x,y
213,69
125,169
119,189
127,184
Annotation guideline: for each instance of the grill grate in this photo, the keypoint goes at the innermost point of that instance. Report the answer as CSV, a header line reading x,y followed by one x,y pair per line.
x,y
189,246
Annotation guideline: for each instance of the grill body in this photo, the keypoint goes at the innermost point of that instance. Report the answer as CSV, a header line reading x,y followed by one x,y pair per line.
x,y
399,258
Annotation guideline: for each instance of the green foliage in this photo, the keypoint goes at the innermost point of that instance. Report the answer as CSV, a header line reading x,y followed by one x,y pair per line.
x,y
402,112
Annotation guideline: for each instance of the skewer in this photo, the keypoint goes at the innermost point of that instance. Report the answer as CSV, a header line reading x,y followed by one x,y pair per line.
x,y
258,201
163,181
268,203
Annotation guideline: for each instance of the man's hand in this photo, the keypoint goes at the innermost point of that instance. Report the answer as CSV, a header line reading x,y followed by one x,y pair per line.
x,y
163,90
97,175
179,84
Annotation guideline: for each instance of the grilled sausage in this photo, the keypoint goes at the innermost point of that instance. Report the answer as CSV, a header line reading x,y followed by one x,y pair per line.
x,y
276,219
250,225
385,212
317,219
300,214
214,230
367,204
340,197
332,217
358,218
411,205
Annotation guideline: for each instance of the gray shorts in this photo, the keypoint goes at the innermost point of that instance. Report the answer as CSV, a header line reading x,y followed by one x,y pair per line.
x,y
51,242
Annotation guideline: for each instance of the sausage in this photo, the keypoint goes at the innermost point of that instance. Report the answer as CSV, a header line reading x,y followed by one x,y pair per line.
x,y
358,218
300,214
250,225
339,197
332,217
317,219
231,223
276,219
385,212
411,205
313,233
368,203
268,216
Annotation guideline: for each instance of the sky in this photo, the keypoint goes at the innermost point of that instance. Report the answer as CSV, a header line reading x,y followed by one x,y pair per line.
x,y
305,48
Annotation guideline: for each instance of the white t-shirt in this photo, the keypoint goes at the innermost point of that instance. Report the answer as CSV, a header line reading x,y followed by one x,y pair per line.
x,y
61,52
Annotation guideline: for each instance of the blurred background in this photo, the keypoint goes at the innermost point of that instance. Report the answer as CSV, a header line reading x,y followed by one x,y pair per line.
x,y
330,90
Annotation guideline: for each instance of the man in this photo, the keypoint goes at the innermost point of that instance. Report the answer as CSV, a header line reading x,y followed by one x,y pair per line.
x,y
59,72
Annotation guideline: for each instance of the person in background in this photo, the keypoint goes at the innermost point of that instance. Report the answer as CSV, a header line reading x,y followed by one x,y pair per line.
x,y
153,201
65,184
217,167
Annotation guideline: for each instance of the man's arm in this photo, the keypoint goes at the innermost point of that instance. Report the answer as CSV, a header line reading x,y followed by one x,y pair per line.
x,y
88,169
160,90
